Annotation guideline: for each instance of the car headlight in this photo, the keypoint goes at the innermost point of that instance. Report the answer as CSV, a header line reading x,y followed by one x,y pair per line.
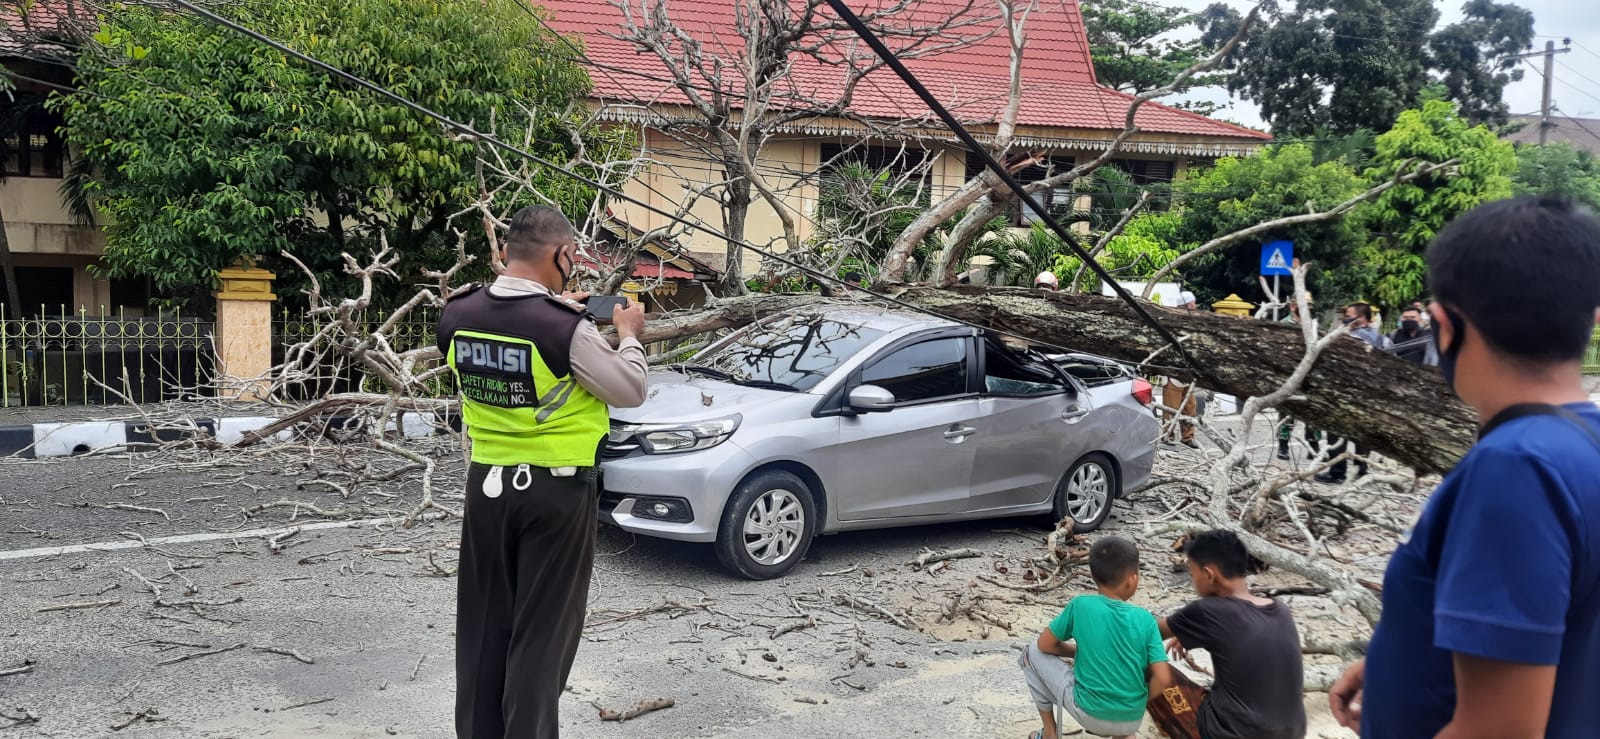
x,y
685,437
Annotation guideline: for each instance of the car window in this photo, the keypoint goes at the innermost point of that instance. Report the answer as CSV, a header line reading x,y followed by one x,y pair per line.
x,y
798,350
1008,371
931,369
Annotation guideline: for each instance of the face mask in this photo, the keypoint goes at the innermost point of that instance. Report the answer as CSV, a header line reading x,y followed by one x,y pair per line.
x,y
1347,320
1449,354
1409,324
564,269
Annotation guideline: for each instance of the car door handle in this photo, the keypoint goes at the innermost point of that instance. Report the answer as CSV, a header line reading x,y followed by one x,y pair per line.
x,y
957,433
1074,414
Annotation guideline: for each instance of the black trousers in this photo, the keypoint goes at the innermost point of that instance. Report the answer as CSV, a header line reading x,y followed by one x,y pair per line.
x,y
1337,446
526,557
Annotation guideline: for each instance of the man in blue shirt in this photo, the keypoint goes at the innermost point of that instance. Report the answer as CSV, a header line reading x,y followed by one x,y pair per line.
x,y
1491,604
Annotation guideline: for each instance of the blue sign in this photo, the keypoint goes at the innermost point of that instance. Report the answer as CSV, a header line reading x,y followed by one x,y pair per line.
x,y
1277,258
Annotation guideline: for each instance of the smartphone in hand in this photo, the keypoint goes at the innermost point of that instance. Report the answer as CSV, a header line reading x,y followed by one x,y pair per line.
x,y
603,306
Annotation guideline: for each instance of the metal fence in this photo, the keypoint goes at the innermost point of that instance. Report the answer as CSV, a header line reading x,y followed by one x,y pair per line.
x,y
337,374
64,358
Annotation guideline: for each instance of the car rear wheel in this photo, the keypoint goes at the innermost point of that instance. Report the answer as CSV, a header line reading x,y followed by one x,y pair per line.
x,y
767,526
1085,493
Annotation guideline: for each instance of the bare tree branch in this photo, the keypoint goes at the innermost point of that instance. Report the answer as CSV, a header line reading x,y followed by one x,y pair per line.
x,y
1334,213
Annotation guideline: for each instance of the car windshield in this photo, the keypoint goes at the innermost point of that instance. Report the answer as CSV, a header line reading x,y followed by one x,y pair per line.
x,y
794,351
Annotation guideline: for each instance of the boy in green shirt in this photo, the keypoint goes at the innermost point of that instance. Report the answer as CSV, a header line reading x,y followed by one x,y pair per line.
x,y
1118,662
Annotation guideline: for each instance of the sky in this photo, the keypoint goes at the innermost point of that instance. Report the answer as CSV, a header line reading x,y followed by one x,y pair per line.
x,y
1575,92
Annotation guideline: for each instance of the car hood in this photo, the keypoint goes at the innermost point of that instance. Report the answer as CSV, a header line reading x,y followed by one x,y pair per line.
x,y
678,398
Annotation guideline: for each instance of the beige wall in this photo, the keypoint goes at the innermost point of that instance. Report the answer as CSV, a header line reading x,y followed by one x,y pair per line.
x,y
681,171
41,233
38,223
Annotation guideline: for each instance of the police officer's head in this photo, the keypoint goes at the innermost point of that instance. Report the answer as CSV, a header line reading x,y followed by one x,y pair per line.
x,y
543,241
1516,285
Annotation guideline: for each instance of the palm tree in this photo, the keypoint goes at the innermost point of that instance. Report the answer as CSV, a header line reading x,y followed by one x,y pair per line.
x,y
1355,149
1020,255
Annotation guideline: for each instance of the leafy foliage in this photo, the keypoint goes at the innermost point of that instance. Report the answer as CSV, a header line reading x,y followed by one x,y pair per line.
x,y
1132,46
1148,243
210,147
1405,218
1276,182
1560,170
1020,255
862,210
1348,64
1472,57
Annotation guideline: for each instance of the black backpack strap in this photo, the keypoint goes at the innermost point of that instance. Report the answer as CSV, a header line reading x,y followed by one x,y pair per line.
x,y
1523,410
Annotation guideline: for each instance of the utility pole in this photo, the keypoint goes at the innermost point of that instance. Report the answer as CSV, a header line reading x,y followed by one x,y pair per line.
x,y
1549,54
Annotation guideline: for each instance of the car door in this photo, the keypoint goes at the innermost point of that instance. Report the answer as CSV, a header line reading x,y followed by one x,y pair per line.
x,y
916,458
1029,419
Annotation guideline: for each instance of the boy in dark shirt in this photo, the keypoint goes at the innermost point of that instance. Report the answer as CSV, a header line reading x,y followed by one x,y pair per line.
x,y
1254,646
1118,661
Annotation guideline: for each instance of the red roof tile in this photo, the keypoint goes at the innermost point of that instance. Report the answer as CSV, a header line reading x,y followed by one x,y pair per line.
x,y
1059,89
35,29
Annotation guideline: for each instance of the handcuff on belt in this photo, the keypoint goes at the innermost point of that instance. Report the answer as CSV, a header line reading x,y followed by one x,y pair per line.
x,y
522,478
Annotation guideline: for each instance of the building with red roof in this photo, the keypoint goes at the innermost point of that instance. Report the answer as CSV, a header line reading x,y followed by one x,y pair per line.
x,y
1064,114
51,250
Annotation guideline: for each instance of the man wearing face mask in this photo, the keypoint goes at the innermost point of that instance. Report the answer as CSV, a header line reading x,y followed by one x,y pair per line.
x,y
1358,316
536,378
1491,603
1411,339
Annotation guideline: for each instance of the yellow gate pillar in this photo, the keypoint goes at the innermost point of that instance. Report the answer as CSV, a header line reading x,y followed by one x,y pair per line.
x,y
244,332
1233,305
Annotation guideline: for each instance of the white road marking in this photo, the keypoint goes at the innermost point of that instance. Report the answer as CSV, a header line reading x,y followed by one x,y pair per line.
x,y
108,546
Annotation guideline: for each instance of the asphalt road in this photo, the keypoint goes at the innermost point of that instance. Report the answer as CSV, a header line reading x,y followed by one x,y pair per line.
x,y
371,606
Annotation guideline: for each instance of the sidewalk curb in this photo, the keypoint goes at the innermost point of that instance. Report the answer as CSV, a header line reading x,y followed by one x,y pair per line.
x,y
44,440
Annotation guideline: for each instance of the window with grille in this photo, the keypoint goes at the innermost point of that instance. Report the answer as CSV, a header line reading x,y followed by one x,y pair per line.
x,y
904,163
1058,200
33,147
1147,171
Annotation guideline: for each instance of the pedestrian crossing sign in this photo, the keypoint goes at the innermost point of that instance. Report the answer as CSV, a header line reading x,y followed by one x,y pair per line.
x,y
1276,258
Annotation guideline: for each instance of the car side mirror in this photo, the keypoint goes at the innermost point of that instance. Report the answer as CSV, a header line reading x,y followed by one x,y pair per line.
x,y
870,399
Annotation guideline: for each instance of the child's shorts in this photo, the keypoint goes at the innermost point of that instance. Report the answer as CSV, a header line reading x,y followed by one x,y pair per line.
x,y
1051,680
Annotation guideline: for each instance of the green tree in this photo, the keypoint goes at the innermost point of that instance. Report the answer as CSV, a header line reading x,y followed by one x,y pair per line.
x,y
1148,243
1019,256
1273,183
1558,169
210,147
1405,218
1348,64
1472,57
1133,48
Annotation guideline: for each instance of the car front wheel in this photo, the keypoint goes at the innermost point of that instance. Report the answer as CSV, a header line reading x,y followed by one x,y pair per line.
x,y
766,526
1086,492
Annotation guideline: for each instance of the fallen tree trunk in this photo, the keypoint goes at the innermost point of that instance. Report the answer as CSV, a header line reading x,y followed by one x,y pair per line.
x,y
1379,401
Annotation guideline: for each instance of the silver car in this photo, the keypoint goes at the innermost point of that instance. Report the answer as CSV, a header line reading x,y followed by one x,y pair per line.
x,y
823,421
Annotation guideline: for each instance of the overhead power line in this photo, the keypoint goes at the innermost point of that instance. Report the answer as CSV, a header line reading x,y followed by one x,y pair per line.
x,y
1578,123
491,140
1000,172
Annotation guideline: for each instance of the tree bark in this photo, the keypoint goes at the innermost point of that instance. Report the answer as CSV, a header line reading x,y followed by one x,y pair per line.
x,y
735,213
1379,401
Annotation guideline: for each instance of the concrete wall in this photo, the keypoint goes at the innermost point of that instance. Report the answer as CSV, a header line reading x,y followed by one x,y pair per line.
x,y
42,233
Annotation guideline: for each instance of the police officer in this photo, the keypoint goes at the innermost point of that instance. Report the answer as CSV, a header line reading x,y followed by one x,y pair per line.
x,y
535,377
